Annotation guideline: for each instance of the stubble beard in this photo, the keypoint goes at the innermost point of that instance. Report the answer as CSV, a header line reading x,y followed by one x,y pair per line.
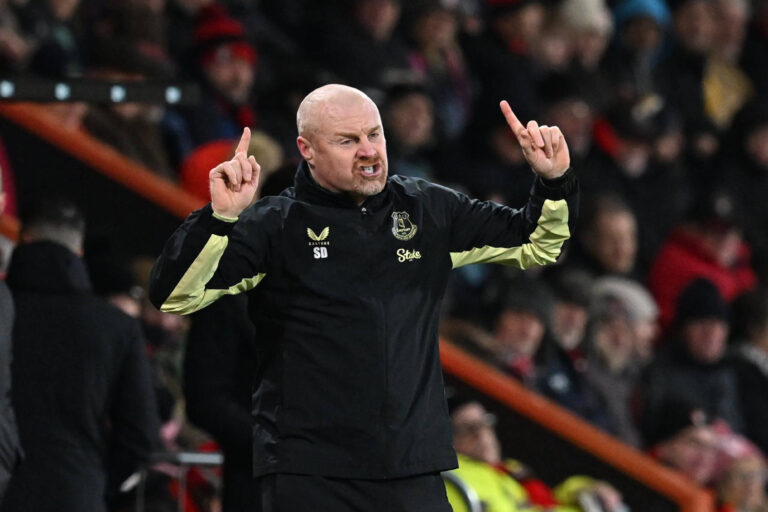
x,y
367,188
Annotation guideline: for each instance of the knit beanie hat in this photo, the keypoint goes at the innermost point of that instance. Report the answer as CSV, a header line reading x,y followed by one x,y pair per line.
x,y
701,299
630,9
219,36
674,417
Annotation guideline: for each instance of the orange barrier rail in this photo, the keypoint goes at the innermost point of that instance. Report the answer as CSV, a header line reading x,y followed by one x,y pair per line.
x,y
102,158
628,460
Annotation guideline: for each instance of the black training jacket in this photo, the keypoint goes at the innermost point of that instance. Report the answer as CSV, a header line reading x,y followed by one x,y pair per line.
x,y
347,307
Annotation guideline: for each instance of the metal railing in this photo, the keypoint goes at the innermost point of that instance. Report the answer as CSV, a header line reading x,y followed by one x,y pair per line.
x,y
468,494
183,461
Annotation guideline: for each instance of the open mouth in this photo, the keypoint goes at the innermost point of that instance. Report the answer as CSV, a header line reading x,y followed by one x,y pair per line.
x,y
370,170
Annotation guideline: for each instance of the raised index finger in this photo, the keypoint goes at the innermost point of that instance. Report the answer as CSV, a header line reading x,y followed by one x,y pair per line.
x,y
245,140
511,118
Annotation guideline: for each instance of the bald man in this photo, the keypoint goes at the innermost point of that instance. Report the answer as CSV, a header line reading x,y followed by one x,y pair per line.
x,y
348,268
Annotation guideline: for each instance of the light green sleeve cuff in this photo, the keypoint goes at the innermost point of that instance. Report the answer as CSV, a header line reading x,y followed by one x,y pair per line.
x,y
224,218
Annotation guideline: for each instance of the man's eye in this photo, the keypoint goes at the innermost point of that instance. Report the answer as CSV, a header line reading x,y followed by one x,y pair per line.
x,y
346,142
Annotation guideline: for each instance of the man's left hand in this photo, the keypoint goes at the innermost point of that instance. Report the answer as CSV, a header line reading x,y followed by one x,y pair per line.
x,y
544,147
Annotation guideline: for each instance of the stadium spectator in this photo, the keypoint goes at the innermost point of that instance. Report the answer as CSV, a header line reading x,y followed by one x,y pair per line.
x,y
409,120
496,480
502,57
572,296
741,488
369,52
707,244
515,333
519,345
193,176
685,74
590,24
499,168
607,244
130,127
631,63
226,64
616,350
692,367
57,42
520,329
750,360
743,173
686,441
642,312
82,390
437,56
569,106
733,21
10,449
637,157
756,46
15,46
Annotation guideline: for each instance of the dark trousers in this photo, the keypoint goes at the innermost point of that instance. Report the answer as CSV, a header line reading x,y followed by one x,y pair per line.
x,y
301,493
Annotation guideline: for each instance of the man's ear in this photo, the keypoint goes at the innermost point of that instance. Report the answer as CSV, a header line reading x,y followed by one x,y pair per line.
x,y
305,148
2,203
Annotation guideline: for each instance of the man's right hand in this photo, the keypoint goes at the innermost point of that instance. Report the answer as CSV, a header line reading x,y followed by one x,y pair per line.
x,y
234,183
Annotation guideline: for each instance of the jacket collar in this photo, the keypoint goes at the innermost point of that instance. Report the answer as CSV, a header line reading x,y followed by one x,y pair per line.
x,y
47,267
307,189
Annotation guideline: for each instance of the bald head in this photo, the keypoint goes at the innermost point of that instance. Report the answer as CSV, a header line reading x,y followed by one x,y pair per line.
x,y
317,104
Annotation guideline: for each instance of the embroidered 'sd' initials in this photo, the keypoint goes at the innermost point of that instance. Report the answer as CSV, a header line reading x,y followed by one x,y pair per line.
x,y
320,253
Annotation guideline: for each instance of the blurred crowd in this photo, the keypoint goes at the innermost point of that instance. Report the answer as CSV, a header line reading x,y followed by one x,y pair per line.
x,y
653,326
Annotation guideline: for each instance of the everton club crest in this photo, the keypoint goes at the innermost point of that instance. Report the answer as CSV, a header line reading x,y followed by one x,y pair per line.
x,y
402,227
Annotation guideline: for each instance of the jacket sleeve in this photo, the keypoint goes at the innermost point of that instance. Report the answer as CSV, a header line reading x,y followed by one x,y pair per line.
x,y
486,232
208,257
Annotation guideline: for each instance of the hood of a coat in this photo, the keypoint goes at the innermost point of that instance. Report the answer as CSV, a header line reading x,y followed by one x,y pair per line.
x,y
47,267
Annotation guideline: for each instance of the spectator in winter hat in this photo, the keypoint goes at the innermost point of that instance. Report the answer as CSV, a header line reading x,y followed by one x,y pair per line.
x,y
686,441
641,28
226,63
692,368
642,312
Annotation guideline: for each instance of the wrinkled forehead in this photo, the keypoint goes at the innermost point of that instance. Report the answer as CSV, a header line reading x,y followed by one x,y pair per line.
x,y
355,114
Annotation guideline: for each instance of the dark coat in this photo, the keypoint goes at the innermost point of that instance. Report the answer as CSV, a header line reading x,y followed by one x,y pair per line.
x,y
219,368
81,387
751,368
675,378
10,449
347,306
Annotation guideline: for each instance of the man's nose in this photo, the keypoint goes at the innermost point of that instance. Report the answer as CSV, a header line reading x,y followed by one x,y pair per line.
x,y
366,149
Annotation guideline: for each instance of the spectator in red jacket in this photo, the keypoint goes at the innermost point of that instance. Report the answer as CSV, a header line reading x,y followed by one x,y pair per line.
x,y
709,245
